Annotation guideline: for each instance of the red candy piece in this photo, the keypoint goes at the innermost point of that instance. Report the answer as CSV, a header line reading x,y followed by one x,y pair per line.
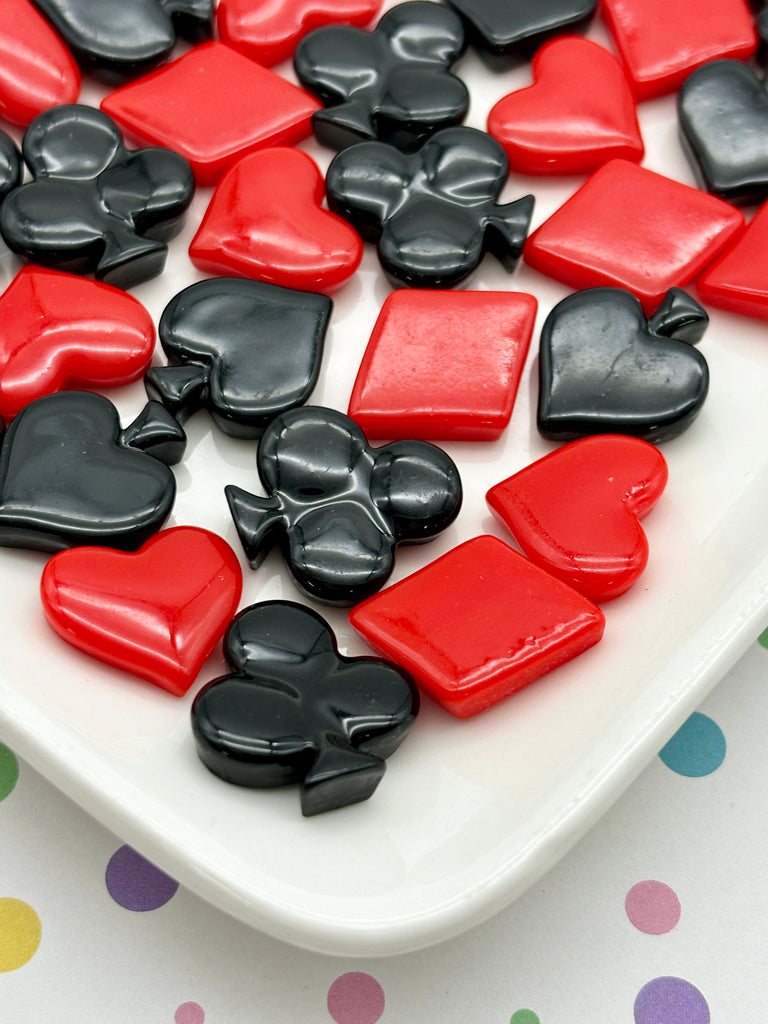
x,y
157,612
738,280
575,512
478,624
214,106
631,228
268,31
37,71
266,221
578,114
662,41
443,365
61,331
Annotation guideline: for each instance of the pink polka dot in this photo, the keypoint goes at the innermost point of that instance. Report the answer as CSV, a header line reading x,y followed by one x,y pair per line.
x,y
652,907
355,998
189,1013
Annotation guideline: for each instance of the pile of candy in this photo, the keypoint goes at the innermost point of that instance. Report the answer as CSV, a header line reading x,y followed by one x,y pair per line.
x,y
91,215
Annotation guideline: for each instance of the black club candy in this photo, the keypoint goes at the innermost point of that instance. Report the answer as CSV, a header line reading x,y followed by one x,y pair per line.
x,y
338,507
94,206
296,711
245,350
393,83
433,213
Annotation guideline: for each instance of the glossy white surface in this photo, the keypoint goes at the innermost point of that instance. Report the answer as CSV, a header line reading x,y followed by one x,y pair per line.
x,y
471,813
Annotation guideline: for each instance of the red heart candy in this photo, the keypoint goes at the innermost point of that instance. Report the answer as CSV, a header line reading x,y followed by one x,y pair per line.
x,y
37,70
266,221
157,612
575,512
578,114
269,32
59,331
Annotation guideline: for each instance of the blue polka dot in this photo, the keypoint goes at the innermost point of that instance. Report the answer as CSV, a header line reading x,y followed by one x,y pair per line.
x,y
696,749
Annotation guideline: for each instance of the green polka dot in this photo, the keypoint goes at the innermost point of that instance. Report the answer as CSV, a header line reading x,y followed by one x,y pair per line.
x,y
696,749
524,1017
763,638
9,771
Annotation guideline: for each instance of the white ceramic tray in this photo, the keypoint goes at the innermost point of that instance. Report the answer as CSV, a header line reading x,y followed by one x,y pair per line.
x,y
470,813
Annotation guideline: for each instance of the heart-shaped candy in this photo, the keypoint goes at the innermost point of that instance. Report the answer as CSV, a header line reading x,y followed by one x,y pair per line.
x,y
60,331
575,512
157,612
578,114
266,221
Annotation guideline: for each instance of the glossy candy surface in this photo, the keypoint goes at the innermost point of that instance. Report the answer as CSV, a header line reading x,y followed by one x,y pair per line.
x,y
606,368
11,167
662,41
58,331
738,279
126,37
433,213
69,475
214,106
337,507
723,114
391,84
95,206
37,70
499,27
443,366
578,114
268,31
157,612
294,710
244,350
266,221
576,512
478,624
632,228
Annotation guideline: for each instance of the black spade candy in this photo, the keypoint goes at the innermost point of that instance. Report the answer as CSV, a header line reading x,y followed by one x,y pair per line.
x,y
337,507
392,84
433,212
69,475
296,711
244,349
95,206
500,27
606,368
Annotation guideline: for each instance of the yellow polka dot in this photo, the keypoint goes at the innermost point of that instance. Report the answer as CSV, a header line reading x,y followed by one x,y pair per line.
x,y
20,932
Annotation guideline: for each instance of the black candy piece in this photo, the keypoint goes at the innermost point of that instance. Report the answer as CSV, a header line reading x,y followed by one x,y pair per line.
x,y
70,476
243,349
11,166
95,206
604,368
517,27
337,507
391,84
294,710
433,213
123,38
723,114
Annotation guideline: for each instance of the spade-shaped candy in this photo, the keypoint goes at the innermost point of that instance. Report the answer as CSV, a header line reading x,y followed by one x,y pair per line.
x,y
244,349
95,206
69,475
433,213
296,711
500,28
337,507
604,367
391,84
119,38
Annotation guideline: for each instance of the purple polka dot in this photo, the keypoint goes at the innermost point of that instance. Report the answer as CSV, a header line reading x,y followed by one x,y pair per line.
x,y
670,1001
355,998
189,1013
652,907
135,883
